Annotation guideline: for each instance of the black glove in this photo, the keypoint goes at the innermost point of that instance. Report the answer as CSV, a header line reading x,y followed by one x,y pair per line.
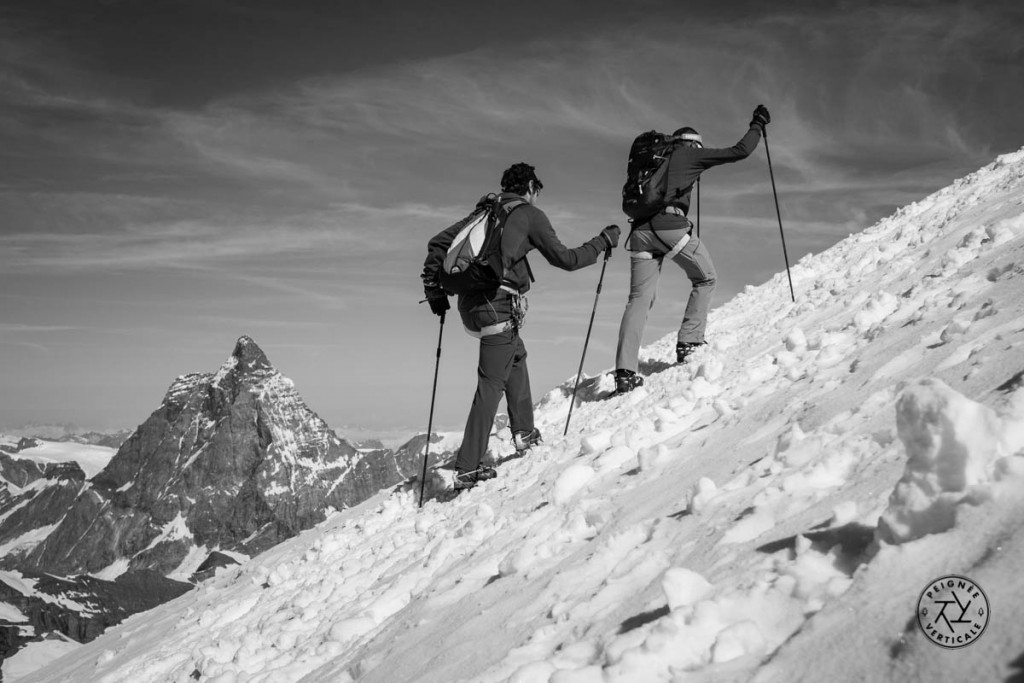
x,y
761,117
611,236
436,299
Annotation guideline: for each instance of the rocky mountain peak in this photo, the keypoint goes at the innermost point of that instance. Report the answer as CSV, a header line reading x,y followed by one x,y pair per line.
x,y
231,463
233,460
249,357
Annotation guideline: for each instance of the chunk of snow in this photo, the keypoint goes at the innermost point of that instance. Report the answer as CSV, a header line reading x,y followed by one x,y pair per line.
x,y
796,340
683,587
952,445
571,481
703,491
737,640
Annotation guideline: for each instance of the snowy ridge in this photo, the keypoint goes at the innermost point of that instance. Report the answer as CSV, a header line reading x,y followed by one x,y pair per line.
x,y
27,541
90,458
26,586
305,439
182,387
228,367
770,511
35,476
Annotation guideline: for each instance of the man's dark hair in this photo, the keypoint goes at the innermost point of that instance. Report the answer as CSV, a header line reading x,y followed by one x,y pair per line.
x,y
517,177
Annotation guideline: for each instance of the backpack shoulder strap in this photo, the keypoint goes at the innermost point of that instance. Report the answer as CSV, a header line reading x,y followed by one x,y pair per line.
x,y
508,207
511,205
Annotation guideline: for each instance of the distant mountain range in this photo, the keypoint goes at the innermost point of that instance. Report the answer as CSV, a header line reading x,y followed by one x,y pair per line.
x,y
69,433
230,464
108,440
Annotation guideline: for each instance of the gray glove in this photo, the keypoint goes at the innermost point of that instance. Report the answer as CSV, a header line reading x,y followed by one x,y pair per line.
x,y
611,236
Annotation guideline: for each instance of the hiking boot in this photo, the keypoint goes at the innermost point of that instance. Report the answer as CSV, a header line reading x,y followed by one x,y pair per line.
x,y
626,381
463,484
684,349
524,441
467,480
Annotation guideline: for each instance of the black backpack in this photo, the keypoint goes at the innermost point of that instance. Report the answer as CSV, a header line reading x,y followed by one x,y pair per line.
x,y
473,262
643,195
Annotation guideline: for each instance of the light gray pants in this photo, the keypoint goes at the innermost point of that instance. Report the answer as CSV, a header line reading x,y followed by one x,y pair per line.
x,y
643,287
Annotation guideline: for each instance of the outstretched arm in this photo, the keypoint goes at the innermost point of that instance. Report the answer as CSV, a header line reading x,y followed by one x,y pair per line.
x,y
708,158
743,148
543,237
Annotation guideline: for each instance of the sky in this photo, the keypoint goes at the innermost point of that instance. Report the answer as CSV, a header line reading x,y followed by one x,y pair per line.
x,y
783,507
176,174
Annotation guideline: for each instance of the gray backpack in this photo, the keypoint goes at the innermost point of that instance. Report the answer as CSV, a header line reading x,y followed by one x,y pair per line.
x,y
474,261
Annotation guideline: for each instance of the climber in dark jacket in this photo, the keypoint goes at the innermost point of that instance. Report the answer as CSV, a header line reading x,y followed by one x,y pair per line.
x,y
669,235
496,316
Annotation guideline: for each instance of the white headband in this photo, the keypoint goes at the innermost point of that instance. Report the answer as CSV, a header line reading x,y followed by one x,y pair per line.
x,y
691,137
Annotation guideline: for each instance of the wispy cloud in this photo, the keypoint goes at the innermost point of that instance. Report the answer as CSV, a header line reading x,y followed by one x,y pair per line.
x,y
6,328
30,336
345,230
251,323
361,152
313,199
299,292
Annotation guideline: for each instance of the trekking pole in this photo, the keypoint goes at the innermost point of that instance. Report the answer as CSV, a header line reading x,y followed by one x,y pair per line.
x,y
764,133
607,255
698,208
430,422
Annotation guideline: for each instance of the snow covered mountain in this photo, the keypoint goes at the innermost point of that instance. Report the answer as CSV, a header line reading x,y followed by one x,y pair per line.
x,y
231,461
230,464
781,508
39,482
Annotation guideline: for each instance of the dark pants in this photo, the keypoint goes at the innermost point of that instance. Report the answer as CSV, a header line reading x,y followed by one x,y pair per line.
x,y
501,370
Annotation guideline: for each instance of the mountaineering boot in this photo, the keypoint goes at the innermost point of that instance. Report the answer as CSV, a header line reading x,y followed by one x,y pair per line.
x,y
684,349
626,381
524,441
467,480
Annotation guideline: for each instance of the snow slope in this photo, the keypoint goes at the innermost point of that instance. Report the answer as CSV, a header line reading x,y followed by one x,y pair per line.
x,y
27,661
771,511
90,458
